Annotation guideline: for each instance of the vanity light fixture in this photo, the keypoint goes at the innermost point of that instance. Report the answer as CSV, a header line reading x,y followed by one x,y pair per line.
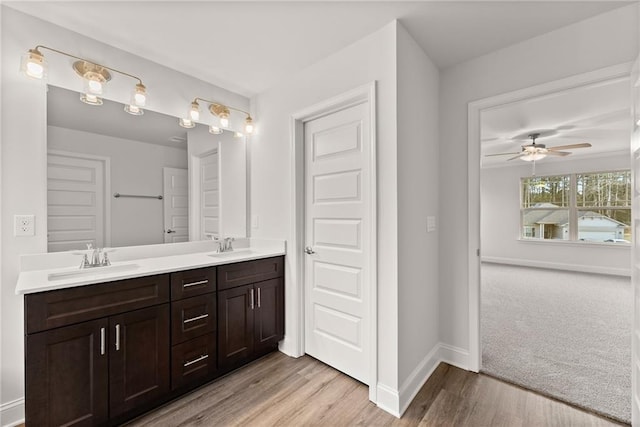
x,y
95,76
187,123
219,110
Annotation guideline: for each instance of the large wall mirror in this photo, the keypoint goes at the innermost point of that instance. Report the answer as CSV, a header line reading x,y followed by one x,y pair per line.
x,y
114,179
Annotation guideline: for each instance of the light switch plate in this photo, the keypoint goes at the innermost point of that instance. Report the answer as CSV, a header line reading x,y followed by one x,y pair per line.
x,y
24,225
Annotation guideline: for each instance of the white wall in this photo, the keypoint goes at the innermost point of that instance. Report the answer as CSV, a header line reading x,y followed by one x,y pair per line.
x,y
592,44
136,168
370,59
417,198
500,213
24,147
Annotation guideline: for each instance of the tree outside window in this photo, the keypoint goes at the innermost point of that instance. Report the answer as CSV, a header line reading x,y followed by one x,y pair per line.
x,y
589,207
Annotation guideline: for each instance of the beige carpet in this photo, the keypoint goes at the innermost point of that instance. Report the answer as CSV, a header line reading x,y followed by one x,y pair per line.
x,y
564,334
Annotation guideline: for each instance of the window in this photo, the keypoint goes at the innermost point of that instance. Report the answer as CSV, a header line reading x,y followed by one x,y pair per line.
x,y
592,207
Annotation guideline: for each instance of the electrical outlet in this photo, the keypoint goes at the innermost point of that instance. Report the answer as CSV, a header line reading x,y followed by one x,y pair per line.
x,y
431,224
24,225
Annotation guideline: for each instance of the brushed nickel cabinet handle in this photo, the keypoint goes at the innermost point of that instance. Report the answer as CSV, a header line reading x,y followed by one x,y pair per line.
x,y
201,282
258,297
199,359
193,319
118,337
251,297
102,344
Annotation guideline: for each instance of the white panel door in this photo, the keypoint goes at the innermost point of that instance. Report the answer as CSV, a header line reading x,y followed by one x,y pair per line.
x,y
635,211
337,274
75,202
176,205
210,197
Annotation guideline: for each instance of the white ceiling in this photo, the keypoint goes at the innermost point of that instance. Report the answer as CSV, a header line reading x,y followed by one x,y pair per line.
x,y
65,110
598,114
248,47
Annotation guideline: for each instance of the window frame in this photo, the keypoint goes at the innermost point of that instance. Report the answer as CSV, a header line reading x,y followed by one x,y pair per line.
x,y
572,207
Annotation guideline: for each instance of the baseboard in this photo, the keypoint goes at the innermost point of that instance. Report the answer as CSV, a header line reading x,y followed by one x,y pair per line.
x,y
454,356
559,266
12,413
388,400
418,377
288,347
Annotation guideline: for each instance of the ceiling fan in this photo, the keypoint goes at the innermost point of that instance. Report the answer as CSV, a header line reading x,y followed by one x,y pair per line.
x,y
532,152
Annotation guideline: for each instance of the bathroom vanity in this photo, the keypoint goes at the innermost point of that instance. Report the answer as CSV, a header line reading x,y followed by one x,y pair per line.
x,y
100,351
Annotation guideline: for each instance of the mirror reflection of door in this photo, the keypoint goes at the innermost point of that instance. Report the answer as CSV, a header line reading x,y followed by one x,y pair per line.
x,y
176,205
210,197
75,201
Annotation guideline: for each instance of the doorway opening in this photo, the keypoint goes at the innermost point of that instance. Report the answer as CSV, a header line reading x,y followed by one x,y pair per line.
x,y
534,238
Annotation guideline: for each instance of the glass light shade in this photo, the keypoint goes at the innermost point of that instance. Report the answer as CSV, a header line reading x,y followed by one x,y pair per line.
x,y
33,65
139,95
215,130
194,112
187,123
238,135
134,110
248,125
533,156
91,99
224,122
93,86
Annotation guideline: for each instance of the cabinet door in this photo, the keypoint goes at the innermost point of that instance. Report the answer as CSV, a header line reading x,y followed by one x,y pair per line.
x,y
67,376
269,314
139,358
235,326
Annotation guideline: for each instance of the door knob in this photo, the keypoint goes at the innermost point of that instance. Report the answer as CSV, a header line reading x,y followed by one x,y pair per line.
x,y
309,251
169,231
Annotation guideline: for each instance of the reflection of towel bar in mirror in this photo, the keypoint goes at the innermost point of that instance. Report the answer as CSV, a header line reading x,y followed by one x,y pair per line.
x,y
117,195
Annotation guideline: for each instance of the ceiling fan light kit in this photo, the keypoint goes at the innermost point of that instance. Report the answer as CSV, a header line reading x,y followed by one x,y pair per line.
x,y
534,152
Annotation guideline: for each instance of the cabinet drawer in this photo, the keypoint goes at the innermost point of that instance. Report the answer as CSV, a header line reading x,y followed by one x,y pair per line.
x,y
189,283
243,273
193,361
193,317
46,310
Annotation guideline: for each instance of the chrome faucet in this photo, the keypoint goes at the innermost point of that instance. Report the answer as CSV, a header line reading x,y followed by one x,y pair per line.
x,y
224,245
99,258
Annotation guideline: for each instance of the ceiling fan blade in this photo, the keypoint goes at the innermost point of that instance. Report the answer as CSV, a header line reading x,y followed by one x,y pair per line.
x,y
516,157
569,147
558,153
501,154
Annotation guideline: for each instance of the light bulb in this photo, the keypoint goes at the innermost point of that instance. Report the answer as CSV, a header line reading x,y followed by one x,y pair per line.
x,y
215,130
94,87
224,121
33,64
91,99
238,135
140,95
134,110
194,112
248,126
186,123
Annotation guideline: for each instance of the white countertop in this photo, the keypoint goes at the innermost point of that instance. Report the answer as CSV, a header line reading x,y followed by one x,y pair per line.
x,y
132,262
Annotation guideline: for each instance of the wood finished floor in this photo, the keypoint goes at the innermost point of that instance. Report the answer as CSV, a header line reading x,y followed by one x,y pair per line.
x,y
281,391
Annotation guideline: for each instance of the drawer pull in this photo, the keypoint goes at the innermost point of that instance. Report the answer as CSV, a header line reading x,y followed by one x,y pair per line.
x,y
199,359
193,319
201,282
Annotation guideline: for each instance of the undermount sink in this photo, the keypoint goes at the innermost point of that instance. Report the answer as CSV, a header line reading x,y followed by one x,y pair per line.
x,y
238,252
91,271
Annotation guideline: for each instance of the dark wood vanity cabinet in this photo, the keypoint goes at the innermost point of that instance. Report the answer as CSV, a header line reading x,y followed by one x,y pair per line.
x,y
89,372
102,354
193,327
251,316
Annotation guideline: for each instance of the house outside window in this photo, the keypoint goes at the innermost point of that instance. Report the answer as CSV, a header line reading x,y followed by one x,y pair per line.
x,y
586,207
